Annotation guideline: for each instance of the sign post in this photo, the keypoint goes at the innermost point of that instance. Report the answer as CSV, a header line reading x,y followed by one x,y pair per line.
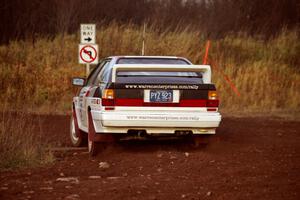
x,y
88,49
87,69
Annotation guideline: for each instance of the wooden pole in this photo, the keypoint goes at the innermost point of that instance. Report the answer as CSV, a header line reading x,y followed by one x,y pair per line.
x,y
87,69
143,47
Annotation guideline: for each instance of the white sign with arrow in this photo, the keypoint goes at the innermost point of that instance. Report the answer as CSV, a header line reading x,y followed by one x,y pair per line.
x,y
88,33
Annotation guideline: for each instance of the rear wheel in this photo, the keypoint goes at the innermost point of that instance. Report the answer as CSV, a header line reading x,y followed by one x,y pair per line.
x,y
93,148
78,139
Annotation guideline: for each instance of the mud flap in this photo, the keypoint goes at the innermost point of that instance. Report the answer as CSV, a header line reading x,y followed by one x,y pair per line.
x,y
93,136
77,131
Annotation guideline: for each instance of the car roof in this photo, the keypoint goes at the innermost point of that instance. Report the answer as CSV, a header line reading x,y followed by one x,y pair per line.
x,y
150,57
163,57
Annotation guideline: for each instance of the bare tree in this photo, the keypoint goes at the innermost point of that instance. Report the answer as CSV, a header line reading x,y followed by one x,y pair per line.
x,y
28,18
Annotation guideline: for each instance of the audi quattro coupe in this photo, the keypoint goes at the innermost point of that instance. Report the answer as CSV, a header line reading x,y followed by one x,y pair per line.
x,y
143,96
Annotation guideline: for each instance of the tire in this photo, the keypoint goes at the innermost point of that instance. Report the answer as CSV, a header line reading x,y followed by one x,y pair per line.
x,y
80,139
93,148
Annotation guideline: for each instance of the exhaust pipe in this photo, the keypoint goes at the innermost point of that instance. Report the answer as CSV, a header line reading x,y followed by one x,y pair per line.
x,y
141,133
183,132
138,133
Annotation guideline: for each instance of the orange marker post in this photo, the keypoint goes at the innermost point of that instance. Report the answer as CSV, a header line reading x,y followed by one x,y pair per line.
x,y
226,78
206,52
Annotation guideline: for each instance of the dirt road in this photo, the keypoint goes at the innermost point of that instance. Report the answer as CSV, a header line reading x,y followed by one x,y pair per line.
x,y
249,158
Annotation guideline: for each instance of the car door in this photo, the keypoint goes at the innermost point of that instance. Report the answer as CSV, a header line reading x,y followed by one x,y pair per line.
x,y
89,90
82,107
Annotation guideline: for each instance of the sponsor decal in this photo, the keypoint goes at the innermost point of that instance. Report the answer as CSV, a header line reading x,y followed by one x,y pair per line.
x,y
164,87
95,101
164,118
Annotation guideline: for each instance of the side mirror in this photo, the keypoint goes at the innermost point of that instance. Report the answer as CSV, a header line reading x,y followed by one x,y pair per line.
x,y
78,81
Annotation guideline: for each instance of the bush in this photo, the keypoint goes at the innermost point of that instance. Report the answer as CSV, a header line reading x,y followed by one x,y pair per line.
x,y
20,142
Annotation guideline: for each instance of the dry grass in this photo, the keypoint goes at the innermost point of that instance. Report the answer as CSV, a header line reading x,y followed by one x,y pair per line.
x,y
266,74
21,143
37,77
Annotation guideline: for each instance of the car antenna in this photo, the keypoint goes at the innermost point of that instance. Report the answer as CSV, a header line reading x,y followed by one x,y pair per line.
x,y
144,33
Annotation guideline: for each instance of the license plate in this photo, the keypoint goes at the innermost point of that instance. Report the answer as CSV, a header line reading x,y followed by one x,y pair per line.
x,y
161,96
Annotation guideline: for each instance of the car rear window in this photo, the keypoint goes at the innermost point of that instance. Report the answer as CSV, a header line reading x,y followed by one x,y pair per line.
x,y
174,77
164,61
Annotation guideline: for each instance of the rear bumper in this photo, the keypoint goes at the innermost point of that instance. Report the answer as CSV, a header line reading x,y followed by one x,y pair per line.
x,y
121,121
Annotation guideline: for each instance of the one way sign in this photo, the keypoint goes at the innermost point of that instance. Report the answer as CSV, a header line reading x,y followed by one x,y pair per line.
x,y
88,33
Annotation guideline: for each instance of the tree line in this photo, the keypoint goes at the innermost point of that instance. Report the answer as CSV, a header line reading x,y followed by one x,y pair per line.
x,y
22,19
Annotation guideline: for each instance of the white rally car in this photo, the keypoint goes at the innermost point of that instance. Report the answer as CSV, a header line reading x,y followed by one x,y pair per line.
x,y
144,96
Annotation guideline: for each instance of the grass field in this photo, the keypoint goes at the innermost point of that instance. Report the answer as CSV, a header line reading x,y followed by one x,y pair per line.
x,y
35,75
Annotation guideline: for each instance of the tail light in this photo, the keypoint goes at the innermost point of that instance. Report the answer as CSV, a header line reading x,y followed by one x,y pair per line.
x,y
108,94
108,99
213,100
212,95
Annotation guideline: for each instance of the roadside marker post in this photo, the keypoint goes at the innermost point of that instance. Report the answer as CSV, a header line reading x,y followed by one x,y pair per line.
x,y
88,49
143,45
206,52
213,64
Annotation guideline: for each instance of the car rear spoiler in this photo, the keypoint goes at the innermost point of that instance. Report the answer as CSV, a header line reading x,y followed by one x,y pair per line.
x,y
204,69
